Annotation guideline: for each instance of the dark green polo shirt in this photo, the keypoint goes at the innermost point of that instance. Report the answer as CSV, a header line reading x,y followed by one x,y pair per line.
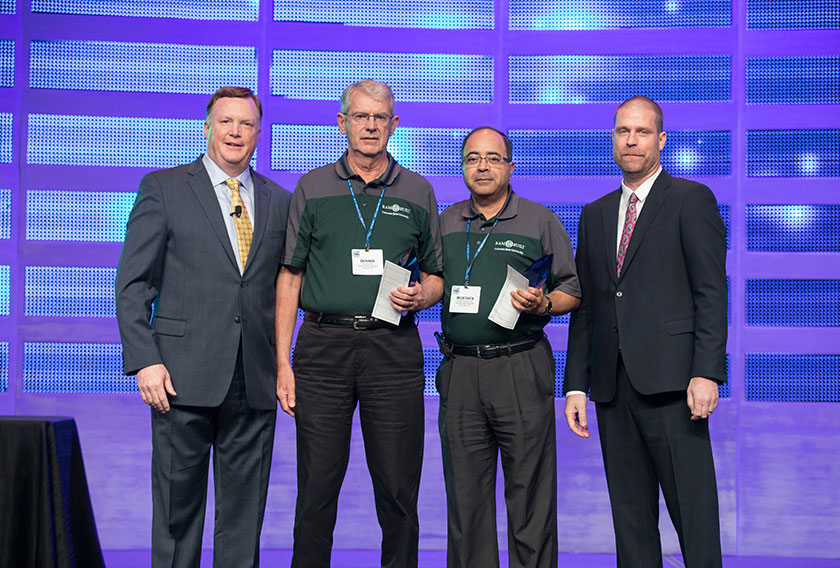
x,y
324,227
526,232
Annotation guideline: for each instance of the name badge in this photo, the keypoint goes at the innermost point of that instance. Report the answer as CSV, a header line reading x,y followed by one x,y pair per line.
x,y
367,262
464,299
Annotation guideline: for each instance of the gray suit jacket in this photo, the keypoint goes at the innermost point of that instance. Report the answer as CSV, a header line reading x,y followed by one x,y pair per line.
x,y
181,300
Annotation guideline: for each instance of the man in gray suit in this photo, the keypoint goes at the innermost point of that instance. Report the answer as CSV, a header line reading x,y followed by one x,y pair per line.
x,y
203,247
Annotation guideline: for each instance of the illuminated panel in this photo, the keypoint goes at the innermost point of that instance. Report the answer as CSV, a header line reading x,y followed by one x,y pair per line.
x,y
431,362
723,208
70,291
793,80
75,368
793,153
241,10
792,377
5,213
427,151
793,14
577,79
416,77
140,67
7,62
5,138
792,303
551,153
5,290
7,6
614,14
96,216
793,228
114,141
432,14
4,366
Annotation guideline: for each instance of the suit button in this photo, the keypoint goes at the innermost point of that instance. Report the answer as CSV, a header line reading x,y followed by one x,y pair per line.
x,y
242,284
236,319
615,329
619,294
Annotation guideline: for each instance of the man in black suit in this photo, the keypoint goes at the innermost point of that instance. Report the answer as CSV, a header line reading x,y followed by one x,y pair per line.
x,y
203,247
648,344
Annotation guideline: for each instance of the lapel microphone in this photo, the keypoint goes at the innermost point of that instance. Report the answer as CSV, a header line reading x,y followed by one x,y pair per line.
x,y
237,212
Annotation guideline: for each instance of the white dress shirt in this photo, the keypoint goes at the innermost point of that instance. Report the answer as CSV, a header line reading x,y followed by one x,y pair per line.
x,y
246,193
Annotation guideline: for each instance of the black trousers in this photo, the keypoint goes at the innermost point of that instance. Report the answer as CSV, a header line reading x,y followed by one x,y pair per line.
x,y
648,442
487,407
242,440
381,370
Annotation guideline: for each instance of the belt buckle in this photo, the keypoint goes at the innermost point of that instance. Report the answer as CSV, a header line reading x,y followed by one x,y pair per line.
x,y
357,320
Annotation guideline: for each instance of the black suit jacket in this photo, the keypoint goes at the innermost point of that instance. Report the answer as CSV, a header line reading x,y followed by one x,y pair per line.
x,y
668,308
178,257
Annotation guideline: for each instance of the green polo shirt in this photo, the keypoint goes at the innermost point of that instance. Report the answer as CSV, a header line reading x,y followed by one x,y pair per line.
x,y
324,227
526,232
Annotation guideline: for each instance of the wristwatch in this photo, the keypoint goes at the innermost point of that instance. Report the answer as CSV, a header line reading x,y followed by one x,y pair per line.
x,y
548,307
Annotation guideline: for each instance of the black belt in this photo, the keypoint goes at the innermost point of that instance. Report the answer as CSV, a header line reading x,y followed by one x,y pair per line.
x,y
362,321
490,350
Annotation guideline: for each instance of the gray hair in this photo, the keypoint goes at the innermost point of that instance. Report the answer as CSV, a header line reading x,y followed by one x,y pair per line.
x,y
373,89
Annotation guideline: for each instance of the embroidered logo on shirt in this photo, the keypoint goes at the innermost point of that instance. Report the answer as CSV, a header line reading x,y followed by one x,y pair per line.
x,y
396,210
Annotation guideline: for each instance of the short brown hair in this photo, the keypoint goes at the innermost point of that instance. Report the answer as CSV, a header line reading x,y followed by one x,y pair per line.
x,y
236,93
657,110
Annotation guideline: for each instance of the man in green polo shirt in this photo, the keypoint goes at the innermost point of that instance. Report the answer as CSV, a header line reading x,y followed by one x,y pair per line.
x,y
496,384
345,220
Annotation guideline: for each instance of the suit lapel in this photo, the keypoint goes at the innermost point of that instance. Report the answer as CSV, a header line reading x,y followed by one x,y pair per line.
x,y
202,187
610,218
653,203
262,202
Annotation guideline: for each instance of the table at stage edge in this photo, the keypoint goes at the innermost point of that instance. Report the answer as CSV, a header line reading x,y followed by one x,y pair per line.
x,y
46,519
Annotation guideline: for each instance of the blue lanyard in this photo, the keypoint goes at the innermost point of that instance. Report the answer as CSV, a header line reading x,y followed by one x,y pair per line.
x,y
359,211
481,246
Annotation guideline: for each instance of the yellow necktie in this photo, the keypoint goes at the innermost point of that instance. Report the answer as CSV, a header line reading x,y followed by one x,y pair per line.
x,y
242,221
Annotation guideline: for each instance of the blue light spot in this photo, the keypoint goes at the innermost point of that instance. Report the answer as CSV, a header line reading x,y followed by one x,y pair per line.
x,y
687,157
672,6
809,163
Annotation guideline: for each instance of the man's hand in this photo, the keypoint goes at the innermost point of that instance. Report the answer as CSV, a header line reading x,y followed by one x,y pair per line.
x,y
408,298
530,301
702,396
286,389
154,384
576,414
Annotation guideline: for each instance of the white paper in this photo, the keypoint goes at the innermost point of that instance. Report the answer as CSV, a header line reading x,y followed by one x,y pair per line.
x,y
503,312
464,300
393,276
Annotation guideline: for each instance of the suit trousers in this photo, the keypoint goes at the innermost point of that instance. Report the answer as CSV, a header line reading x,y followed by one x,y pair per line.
x,y
242,440
381,370
648,442
489,407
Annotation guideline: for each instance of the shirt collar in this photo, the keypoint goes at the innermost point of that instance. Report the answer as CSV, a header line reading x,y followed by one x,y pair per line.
x,y
509,210
643,190
217,176
342,168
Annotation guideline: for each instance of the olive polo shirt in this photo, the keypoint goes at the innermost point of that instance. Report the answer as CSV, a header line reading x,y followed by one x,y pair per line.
x,y
526,232
324,227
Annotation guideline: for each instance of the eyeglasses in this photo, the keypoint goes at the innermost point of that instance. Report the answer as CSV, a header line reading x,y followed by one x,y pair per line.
x,y
362,118
493,160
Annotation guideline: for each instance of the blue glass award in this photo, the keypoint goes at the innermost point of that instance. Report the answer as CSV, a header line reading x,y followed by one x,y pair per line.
x,y
538,272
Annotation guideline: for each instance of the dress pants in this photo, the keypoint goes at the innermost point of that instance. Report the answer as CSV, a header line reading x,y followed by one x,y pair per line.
x,y
487,407
381,370
648,442
242,440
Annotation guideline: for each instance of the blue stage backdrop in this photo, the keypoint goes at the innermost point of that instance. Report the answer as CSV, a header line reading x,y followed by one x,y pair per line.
x,y
95,93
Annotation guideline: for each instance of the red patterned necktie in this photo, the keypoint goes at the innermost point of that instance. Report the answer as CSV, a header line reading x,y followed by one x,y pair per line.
x,y
629,224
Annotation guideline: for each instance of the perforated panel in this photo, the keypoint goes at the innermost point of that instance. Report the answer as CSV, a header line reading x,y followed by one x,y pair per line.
x,y
793,228
8,6
5,213
70,291
723,208
5,290
75,368
98,216
548,153
441,14
114,141
792,303
418,77
5,138
4,366
724,390
427,151
140,67
793,80
792,377
614,14
793,14
793,153
555,79
243,10
7,62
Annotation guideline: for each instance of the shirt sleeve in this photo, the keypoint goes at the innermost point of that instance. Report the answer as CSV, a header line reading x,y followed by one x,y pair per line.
x,y
298,230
